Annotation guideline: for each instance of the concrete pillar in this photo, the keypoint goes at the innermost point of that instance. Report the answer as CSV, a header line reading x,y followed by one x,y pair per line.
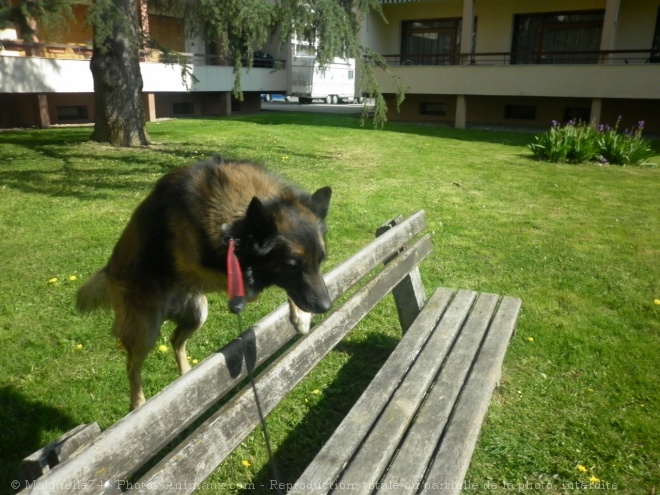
x,y
467,29
608,37
225,103
461,112
41,111
596,110
149,106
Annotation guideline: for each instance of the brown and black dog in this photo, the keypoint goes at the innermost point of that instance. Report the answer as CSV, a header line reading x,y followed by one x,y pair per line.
x,y
174,250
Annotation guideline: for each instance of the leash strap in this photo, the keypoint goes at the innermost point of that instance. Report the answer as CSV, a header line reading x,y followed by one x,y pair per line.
x,y
262,419
237,303
235,288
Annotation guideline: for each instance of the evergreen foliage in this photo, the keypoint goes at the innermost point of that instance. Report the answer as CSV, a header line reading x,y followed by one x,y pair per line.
x,y
48,15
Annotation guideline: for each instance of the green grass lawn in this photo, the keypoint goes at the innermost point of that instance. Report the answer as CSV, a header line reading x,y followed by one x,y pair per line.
x,y
580,245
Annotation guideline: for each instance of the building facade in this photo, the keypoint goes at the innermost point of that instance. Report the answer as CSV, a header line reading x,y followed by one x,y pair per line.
x,y
50,82
521,63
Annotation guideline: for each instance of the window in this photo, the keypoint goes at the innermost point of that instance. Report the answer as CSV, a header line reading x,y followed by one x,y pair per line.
x,y
577,114
430,42
655,48
555,38
351,75
430,108
182,108
520,112
73,112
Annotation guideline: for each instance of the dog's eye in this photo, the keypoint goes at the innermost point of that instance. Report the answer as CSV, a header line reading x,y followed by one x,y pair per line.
x,y
293,263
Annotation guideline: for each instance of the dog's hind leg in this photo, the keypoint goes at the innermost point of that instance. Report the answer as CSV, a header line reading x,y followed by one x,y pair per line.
x,y
189,318
138,338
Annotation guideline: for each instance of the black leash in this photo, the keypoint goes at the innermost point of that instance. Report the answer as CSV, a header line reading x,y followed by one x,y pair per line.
x,y
237,303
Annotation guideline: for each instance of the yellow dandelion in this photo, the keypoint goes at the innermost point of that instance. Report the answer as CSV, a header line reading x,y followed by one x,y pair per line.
x,y
53,280
195,361
656,301
530,339
188,358
316,392
581,468
79,346
590,390
246,463
72,278
593,479
162,348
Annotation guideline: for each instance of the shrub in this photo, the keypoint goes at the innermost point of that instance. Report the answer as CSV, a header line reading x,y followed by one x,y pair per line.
x,y
578,142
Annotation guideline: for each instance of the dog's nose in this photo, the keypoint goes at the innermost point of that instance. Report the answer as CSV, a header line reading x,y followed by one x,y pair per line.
x,y
323,305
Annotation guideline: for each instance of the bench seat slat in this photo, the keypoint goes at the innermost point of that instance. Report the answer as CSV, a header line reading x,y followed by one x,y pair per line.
x,y
198,455
334,455
453,457
124,447
416,452
375,453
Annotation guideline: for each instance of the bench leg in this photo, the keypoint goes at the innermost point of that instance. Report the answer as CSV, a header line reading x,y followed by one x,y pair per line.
x,y
409,294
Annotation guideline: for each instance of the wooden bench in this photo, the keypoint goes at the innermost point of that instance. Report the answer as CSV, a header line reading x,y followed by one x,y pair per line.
x,y
413,428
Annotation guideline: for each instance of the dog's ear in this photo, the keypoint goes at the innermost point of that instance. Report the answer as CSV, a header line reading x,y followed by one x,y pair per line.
x,y
259,219
321,202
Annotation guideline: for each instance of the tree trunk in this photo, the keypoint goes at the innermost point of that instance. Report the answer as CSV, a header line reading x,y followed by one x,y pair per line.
x,y
115,65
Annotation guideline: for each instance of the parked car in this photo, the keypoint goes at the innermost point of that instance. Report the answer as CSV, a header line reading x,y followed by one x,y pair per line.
x,y
274,97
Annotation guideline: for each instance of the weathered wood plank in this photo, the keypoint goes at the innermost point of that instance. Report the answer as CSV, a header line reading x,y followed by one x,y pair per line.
x,y
368,464
128,444
415,453
453,457
330,461
197,456
409,295
40,462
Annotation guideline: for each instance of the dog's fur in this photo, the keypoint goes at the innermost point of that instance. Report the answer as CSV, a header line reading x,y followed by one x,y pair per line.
x,y
174,250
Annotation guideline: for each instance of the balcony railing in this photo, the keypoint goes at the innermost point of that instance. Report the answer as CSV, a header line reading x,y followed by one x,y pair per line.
x,y
18,48
522,58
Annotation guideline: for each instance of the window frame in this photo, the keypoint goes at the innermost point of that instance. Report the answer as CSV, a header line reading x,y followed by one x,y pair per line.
x,y
537,54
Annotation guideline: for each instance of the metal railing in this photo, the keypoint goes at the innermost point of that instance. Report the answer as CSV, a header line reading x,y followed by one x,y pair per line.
x,y
18,48
643,56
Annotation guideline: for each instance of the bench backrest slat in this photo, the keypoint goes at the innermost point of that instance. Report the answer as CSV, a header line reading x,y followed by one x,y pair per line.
x,y
213,441
125,446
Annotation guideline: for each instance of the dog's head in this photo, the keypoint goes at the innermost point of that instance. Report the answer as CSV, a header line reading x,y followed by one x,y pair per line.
x,y
287,245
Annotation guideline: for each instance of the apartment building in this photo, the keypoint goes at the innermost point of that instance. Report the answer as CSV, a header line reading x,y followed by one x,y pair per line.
x,y
50,82
521,62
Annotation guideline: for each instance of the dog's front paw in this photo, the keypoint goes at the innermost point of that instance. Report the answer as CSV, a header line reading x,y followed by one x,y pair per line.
x,y
301,320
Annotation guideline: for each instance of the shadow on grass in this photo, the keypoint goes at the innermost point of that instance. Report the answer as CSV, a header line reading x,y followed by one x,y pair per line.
x,y
434,129
301,445
24,423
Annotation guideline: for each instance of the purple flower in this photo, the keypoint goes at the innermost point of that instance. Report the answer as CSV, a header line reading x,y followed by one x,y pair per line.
x,y
640,125
603,160
601,128
555,123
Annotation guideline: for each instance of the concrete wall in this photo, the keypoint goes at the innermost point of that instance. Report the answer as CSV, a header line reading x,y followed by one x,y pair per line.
x,y
50,75
576,81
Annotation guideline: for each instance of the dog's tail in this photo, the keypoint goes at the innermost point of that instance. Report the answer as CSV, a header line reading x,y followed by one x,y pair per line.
x,y
94,293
